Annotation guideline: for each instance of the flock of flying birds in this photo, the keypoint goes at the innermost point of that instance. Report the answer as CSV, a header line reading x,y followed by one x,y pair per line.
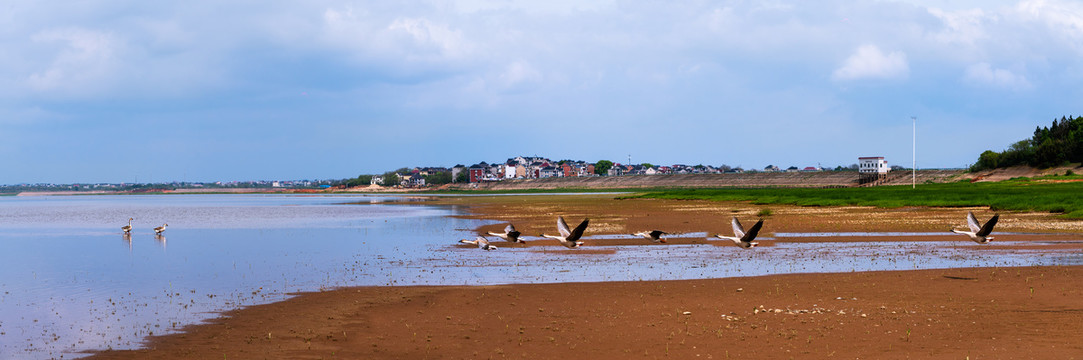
x,y
979,233
128,228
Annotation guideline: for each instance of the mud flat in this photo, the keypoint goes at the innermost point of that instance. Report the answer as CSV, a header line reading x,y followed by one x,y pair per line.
x,y
957,313
991,312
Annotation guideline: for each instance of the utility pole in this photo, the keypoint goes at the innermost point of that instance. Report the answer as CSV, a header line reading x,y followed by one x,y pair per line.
x,y
914,165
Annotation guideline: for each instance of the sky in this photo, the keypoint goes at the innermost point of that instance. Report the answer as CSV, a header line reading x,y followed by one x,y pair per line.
x,y
136,91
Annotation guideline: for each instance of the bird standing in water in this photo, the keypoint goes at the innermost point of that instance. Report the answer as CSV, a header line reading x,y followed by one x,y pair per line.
x,y
128,229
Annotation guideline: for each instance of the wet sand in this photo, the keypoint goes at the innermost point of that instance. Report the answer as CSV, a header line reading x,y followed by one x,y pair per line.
x,y
958,313
1029,312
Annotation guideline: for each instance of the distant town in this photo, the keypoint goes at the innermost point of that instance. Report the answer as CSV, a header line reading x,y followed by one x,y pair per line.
x,y
535,167
520,167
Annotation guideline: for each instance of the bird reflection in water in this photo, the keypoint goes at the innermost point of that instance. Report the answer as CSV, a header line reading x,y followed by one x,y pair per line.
x,y
161,239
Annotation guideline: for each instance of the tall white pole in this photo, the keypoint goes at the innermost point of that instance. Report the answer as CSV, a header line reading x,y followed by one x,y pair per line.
x,y
914,165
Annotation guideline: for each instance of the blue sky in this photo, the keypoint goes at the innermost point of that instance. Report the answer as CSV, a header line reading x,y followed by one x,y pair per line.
x,y
125,91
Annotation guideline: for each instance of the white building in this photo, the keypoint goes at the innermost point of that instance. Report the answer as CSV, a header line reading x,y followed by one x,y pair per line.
x,y
509,171
872,165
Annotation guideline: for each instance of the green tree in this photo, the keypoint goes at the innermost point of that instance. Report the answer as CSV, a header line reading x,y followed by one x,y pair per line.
x,y
1059,143
439,178
391,179
602,167
362,180
464,176
647,165
987,160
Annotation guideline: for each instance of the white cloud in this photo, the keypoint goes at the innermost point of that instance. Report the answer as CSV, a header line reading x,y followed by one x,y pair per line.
x,y
448,42
393,42
868,62
531,6
985,75
1063,19
965,27
1065,15
86,57
518,73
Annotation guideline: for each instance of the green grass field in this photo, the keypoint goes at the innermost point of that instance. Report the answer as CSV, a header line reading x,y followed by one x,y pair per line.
x,y
1065,198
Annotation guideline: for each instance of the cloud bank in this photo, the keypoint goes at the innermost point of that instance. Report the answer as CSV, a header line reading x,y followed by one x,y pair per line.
x,y
190,82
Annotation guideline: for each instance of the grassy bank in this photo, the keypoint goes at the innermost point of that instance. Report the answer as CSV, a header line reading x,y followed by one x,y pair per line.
x,y
1046,194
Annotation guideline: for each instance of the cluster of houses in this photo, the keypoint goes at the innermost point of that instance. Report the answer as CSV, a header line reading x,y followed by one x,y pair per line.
x,y
414,177
535,167
524,168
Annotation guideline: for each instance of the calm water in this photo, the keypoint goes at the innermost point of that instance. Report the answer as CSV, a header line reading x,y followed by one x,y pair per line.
x,y
70,281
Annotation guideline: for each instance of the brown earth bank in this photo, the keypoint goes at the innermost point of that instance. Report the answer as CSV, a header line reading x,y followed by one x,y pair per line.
x,y
983,313
1018,171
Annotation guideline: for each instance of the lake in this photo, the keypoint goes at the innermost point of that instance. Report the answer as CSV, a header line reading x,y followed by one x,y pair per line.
x,y
71,281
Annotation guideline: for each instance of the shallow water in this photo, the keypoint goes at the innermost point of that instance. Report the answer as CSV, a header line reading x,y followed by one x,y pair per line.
x,y
70,281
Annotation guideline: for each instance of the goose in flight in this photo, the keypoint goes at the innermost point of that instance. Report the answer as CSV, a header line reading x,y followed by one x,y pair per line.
x,y
481,242
509,234
128,229
742,238
980,234
653,236
569,238
160,229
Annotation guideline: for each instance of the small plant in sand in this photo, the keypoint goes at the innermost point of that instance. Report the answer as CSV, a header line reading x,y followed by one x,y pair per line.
x,y
765,212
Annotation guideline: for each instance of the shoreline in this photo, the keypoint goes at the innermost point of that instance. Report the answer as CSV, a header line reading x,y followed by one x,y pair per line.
x,y
580,319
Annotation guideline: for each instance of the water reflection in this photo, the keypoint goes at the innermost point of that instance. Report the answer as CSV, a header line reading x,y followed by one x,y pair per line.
x,y
161,240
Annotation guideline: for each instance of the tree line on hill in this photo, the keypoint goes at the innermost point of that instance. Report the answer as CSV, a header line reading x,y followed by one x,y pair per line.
x,y
1058,144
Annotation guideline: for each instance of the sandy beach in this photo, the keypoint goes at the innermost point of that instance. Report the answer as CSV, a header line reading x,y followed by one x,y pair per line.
x,y
1013,312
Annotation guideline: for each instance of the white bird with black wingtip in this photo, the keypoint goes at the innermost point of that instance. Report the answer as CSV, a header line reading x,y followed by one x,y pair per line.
x,y
742,238
509,234
481,242
653,236
978,233
569,238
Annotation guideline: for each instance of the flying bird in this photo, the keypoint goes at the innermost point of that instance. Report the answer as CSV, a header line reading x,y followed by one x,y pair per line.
x,y
160,229
980,234
653,236
128,229
742,238
569,238
481,242
509,234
